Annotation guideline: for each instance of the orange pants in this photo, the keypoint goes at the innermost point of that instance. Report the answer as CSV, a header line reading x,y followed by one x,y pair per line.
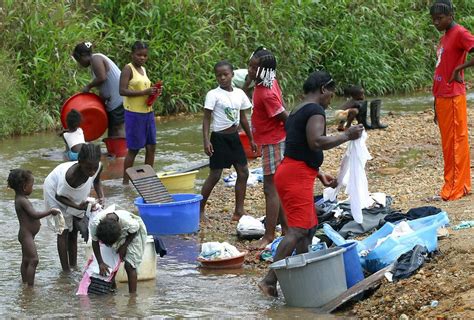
x,y
452,121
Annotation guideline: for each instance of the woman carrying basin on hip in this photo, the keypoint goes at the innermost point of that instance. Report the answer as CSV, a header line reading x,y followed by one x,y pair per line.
x,y
140,127
294,178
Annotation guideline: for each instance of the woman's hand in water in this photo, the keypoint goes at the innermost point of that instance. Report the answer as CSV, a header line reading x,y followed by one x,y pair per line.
x,y
104,269
327,180
354,132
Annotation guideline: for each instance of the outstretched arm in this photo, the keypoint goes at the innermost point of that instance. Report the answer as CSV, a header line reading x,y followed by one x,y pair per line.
x,y
32,213
318,141
98,187
103,267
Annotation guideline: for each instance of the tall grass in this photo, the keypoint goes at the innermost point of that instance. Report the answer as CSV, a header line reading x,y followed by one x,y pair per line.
x,y
387,45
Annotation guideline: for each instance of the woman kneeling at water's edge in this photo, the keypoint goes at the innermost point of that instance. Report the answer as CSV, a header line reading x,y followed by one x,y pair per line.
x,y
294,179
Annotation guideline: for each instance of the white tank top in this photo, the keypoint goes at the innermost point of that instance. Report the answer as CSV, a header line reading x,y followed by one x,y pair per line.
x,y
74,138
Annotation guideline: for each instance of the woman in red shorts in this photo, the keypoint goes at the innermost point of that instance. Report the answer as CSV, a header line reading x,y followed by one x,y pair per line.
x,y
294,178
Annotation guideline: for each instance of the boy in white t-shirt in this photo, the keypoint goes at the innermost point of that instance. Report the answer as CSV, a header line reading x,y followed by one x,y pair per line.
x,y
226,106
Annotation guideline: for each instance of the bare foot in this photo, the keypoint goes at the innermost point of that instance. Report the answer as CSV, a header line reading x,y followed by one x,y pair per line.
x,y
268,290
236,217
262,243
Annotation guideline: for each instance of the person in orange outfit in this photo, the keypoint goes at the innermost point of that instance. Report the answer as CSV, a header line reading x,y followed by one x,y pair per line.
x,y
450,105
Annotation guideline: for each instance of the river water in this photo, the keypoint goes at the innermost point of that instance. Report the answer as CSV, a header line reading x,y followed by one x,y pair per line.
x,y
181,289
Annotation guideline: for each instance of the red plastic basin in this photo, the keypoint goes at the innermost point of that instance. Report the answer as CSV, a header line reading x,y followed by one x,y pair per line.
x,y
228,263
116,146
94,117
248,150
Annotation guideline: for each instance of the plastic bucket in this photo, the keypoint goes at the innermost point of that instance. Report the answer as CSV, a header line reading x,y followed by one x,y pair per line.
x,y
94,117
248,150
352,264
312,279
116,146
178,217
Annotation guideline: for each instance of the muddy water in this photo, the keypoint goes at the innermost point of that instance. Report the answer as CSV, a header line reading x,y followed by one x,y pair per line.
x,y
181,289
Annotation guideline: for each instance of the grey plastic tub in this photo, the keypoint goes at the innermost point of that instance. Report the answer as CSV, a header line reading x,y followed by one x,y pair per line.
x,y
312,279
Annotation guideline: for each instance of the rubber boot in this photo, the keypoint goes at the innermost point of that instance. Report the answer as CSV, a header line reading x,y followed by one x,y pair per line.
x,y
375,107
362,115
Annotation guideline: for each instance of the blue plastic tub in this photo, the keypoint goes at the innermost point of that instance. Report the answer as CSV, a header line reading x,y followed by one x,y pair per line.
x,y
178,217
352,265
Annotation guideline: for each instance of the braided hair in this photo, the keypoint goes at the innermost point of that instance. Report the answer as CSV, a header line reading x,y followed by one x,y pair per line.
x,y
89,152
138,45
442,7
267,64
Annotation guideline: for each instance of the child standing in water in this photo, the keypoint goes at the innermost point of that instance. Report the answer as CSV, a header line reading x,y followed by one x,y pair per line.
x,y
127,234
73,136
226,106
67,188
22,182
140,127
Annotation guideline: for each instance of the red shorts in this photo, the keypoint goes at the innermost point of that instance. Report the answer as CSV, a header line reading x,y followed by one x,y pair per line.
x,y
294,181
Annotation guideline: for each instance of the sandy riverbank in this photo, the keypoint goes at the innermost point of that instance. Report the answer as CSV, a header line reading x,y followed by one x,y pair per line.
x,y
407,164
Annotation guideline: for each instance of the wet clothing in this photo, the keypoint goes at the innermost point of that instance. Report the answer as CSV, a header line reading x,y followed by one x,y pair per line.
x,y
272,155
294,181
452,51
109,89
228,150
139,82
55,183
140,129
296,145
129,223
267,103
452,122
451,111
225,106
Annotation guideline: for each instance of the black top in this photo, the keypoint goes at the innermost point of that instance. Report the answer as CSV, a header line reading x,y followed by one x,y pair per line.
x,y
296,144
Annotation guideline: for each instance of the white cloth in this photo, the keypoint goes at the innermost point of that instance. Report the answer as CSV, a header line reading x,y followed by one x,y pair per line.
x,y
247,223
74,138
352,175
57,223
217,250
226,106
401,229
129,223
239,77
55,183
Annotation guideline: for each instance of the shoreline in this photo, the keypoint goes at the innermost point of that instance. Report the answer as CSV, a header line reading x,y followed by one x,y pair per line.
x,y
407,164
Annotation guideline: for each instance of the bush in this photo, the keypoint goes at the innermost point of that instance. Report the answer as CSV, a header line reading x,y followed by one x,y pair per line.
x,y
387,45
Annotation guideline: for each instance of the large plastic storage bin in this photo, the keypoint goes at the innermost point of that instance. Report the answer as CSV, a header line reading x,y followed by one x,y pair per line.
x,y
177,217
312,279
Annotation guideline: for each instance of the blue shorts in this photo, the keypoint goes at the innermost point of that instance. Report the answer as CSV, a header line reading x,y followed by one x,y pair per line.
x,y
140,129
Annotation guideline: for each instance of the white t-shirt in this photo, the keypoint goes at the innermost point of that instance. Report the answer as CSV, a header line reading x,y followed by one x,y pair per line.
x,y
226,106
74,138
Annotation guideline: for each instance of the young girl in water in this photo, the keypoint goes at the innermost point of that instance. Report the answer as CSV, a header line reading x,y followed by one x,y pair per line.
x,y
67,188
140,127
73,136
127,234
22,182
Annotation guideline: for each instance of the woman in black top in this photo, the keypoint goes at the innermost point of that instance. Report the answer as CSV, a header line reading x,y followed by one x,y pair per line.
x,y
294,179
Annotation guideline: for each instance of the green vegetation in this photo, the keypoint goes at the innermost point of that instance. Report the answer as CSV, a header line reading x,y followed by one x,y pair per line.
x,y
387,45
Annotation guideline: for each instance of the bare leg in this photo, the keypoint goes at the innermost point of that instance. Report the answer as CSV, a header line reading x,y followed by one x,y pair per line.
x,y
62,242
240,190
29,260
127,163
282,221
211,181
132,277
351,115
272,207
302,246
150,154
285,249
72,248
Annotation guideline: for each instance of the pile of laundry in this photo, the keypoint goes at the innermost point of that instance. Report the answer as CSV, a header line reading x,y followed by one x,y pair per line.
x,y
255,176
218,250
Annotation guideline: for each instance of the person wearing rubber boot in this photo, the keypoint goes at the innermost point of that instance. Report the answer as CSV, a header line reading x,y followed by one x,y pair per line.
x,y
450,105
375,106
